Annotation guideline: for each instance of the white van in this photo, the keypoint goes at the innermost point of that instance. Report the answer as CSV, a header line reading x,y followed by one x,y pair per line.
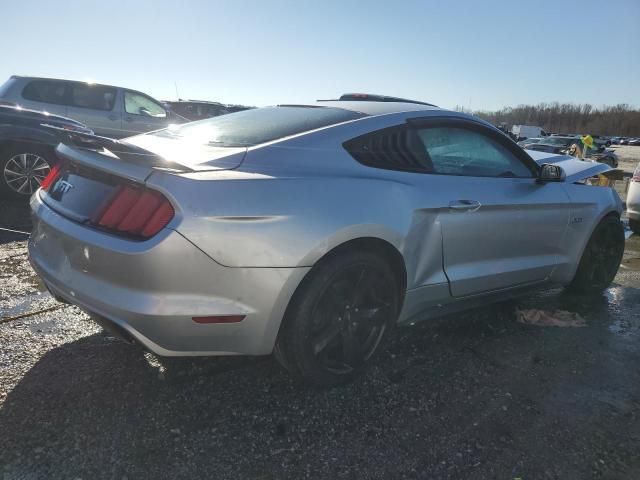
x,y
522,132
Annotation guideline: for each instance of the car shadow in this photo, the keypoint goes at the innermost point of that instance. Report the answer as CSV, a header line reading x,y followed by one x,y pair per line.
x,y
468,385
15,220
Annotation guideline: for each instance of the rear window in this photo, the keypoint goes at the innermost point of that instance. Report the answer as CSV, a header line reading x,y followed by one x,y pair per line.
x,y
45,91
6,86
259,125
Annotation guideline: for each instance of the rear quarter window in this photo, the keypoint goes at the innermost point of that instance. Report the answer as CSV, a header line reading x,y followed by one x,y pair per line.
x,y
397,148
46,91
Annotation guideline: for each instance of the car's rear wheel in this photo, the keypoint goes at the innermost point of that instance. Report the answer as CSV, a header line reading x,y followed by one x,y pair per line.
x,y
601,257
22,168
339,318
634,225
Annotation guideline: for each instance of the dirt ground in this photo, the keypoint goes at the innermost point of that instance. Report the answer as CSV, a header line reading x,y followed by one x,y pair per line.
x,y
476,396
628,157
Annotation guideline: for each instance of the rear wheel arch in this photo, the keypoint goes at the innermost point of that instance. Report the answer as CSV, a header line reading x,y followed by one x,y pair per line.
x,y
380,247
287,347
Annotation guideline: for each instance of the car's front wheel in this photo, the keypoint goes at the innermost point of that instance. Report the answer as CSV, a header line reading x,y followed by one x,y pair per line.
x,y
22,169
339,318
601,257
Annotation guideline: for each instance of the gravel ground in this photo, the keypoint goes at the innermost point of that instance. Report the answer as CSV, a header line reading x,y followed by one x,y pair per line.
x,y
628,156
471,396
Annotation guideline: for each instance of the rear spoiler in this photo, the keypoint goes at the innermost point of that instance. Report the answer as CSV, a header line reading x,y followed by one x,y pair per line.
x,y
111,148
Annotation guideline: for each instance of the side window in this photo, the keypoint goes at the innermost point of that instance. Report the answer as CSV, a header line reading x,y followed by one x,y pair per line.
x,y
96,97
459,151
138,104
45,91
397,148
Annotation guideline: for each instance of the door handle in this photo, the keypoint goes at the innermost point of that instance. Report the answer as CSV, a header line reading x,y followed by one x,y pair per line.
x,y
465,205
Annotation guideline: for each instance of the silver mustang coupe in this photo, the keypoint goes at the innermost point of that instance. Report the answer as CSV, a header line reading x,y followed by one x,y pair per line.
x,y
312,230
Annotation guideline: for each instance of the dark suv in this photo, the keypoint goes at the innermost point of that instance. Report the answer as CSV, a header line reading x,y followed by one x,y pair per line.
x,y
27,144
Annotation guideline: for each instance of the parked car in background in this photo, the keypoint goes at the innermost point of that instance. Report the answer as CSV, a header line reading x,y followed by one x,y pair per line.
x,y
603,155
555,144
199,110
563,146
522,132
311,230
623,141
529,141
633,142
602,141
27,146
109,111
633,201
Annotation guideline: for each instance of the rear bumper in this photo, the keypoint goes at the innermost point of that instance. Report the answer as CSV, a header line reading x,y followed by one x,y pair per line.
x,y
152,289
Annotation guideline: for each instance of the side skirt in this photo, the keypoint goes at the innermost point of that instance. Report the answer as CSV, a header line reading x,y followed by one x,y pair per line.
x,y
420,305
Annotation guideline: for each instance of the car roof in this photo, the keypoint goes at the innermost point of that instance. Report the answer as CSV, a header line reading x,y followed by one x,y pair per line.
x,y
374,108
69,80
95,84
204,102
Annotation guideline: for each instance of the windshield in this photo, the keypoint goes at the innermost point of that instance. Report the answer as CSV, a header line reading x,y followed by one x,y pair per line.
x,y
259,125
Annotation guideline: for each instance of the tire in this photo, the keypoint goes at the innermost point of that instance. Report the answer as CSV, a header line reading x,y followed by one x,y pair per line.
x,y
601,257
339,318
634,225
23,159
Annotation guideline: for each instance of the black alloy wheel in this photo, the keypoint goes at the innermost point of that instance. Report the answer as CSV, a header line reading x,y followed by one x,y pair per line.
x,y
338,318
349,318
602,256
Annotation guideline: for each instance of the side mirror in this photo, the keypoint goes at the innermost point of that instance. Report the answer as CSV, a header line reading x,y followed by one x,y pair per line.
x,y
551,173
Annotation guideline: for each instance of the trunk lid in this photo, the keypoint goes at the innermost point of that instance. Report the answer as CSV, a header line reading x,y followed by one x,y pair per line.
x,y
94,167
195,156
576,169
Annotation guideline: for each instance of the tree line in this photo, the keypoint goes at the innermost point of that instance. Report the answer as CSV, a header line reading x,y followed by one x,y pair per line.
x,y
619,120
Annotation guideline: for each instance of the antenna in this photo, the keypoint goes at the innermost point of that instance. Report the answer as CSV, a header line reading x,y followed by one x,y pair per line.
x,y
177,94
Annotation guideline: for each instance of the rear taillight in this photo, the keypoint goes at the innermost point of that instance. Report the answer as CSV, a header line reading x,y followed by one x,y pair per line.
x,y
51,176
135,211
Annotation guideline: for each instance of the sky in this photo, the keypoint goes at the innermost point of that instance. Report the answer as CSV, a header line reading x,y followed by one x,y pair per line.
x,y
481,55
